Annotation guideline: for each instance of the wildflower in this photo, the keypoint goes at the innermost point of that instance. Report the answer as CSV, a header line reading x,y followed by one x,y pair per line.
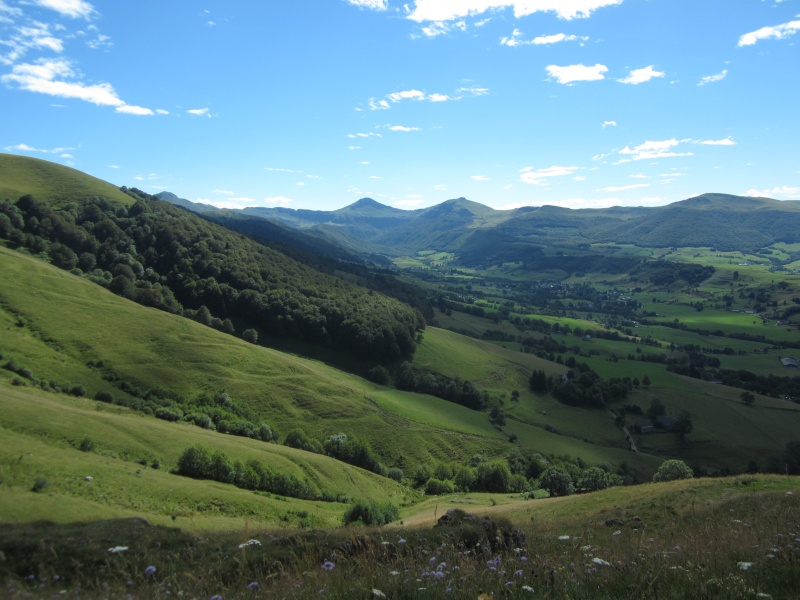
x,y
563,537
432,561
252,585
745,566
527,588
617,532
509,583
394,573
442,566
524,559
117,549
401,541
377,593
448,591
518,573
216,597
438,574
249,543
600,561
328,565
150,570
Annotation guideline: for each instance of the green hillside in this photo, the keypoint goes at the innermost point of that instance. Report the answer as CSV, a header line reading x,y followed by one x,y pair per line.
x,y
20,175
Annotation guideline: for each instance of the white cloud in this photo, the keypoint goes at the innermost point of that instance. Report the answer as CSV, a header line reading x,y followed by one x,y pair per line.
x,y
379,105
528,175
280,170
778,32
480,178
713,78
402,128
406,95
439,98
225,192
516,39
572,73
134,110
784,191
653,150
609,124
70,8
639,176
623,188
354,147
408,203
161,111
113,166
440,11
200,112
47,77
638,76
370,4
363,135
726,142
278,201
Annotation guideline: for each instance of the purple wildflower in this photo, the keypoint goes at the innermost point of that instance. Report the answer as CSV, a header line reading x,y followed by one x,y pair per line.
x,y
509,583
438,574
328,565
432,561
216,597
252,585
150,570
518,573
401,541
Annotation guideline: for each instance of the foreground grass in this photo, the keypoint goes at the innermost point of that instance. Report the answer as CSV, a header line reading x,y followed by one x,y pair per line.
x,y
723,538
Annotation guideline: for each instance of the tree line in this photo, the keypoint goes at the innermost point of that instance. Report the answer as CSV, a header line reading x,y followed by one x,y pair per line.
x,y
162,256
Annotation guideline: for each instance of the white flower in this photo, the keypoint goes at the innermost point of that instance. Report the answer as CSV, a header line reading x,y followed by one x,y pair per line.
x,y
600,561
117,549
249,543
377,593
617,532
745,566
527,588
563,537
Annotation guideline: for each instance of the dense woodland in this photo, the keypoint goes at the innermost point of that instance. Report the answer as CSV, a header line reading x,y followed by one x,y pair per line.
x,y
162,256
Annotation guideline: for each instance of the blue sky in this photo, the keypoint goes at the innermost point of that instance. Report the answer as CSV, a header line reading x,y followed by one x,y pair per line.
x,y
317,103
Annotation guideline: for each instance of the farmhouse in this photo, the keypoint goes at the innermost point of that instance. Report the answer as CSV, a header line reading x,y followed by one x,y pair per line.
x,y
643,426
790,362
666,422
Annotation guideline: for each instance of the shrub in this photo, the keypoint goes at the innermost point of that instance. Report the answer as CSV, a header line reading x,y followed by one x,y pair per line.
x,y
379,375
297,438
396,474
40,485
86,445
671,470
371,513
437,487
250,335
104,397
77,390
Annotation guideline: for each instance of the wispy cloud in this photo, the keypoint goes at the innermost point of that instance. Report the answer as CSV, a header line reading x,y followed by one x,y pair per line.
x,y
57,78
539,177
421,96
783,191
363,135
134,110
650,150
777,32
225,192
402,128
515,39
570,74
713,78
200,112
409,203
725,142
623,188
75,9
370,4
638,76
609,124
480,178
450,10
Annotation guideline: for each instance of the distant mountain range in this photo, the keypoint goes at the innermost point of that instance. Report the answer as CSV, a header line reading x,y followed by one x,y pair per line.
x,y
478,233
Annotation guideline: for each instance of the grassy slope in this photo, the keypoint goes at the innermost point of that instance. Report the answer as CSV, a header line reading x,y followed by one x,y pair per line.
x,y
151,348
20,175
41,432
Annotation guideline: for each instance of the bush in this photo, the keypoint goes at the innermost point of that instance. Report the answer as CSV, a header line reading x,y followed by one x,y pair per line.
x,y
104,397
297,438
672,470
250,335
379,375
437,487
77,390
371,513
396,474
40,485
86,445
